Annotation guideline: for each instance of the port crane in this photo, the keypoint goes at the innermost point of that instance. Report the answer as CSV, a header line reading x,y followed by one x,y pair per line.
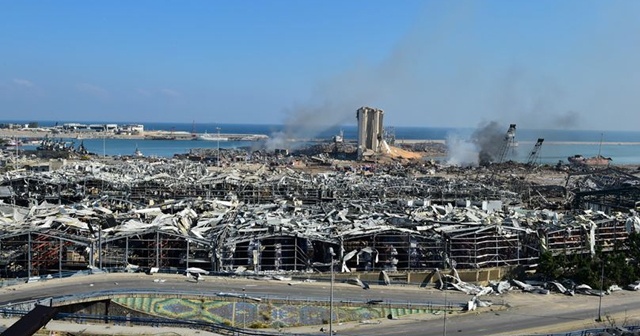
x,y
535,152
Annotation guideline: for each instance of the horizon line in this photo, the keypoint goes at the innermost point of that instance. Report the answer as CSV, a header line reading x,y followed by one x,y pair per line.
x,y
22,121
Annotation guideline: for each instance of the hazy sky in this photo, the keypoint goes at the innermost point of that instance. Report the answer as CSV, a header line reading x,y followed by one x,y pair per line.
x,y
541,64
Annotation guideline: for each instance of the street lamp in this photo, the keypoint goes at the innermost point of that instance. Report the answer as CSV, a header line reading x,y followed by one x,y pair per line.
x,y
444,324
244,309
187,258
601,293
331,293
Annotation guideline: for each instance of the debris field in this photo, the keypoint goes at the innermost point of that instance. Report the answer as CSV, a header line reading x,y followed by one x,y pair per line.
x,y
288,213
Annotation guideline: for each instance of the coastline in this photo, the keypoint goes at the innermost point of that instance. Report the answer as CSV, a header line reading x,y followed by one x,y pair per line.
x,y
146,135
8,133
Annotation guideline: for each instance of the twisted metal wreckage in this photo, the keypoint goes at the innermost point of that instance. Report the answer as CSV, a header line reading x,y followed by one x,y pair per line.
x,y
173,214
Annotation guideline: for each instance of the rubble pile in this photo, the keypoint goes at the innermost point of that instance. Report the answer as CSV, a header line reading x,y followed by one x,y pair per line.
x,y
176,213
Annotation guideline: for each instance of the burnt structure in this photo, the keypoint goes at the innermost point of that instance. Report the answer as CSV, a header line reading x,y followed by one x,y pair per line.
x,y
175,214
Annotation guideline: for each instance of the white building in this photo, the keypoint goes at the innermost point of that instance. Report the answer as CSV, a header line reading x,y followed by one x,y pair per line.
x,y
74,126
132,128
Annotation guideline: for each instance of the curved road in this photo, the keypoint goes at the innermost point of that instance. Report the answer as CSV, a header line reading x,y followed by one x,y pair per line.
x,y
528,313
313,291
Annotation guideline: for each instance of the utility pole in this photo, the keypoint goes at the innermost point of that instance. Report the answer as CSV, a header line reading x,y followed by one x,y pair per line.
x,y
444,324
601,293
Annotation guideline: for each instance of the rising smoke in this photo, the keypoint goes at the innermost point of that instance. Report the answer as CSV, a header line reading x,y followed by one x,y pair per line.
x,y
560,78
335,100
307,121
570,119
461,152
483,147
537,101
437,63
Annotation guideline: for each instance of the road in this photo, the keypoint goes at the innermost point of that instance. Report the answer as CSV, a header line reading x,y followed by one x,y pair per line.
x,y
530,314
526,313
312,291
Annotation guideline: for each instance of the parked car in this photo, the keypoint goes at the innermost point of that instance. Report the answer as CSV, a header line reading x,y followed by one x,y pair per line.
x,y
634,286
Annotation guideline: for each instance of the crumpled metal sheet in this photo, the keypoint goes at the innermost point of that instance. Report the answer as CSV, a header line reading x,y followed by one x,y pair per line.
x,y
353,205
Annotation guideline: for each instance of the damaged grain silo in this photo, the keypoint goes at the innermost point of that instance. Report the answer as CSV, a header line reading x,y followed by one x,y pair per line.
x,y
370,131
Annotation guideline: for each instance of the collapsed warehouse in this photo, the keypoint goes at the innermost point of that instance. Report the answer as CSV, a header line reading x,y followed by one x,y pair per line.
x,y
174,214
266,212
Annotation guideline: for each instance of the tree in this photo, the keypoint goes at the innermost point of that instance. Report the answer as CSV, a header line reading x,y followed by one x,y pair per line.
x,y
548,266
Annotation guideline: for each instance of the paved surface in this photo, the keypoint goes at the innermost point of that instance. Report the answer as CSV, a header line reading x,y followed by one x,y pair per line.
x,y
529,314
524,313
314,291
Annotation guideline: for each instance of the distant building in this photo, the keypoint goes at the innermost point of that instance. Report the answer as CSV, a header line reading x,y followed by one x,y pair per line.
x,y
131,128
74,127
96,127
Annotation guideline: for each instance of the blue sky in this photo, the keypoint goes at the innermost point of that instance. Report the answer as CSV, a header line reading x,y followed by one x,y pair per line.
x,y
541,64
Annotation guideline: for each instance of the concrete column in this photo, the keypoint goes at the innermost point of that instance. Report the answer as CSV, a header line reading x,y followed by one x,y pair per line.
x,y
370,129
91,247
100,247
362,115
375,130
187,253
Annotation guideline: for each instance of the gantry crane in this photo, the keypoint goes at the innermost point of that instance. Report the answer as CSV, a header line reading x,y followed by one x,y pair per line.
x,y
535,152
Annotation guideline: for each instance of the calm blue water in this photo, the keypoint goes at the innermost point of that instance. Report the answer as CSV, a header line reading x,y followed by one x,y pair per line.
x,y
550,153
409,133
350,131
160,148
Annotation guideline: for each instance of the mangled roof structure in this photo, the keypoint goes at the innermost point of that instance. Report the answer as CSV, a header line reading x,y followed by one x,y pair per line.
x,y
176,213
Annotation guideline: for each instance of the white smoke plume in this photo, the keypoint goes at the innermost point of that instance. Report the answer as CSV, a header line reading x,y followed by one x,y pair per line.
x,y
461,152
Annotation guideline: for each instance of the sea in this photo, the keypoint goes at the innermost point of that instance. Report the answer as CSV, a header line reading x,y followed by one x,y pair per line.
x,y
623,147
